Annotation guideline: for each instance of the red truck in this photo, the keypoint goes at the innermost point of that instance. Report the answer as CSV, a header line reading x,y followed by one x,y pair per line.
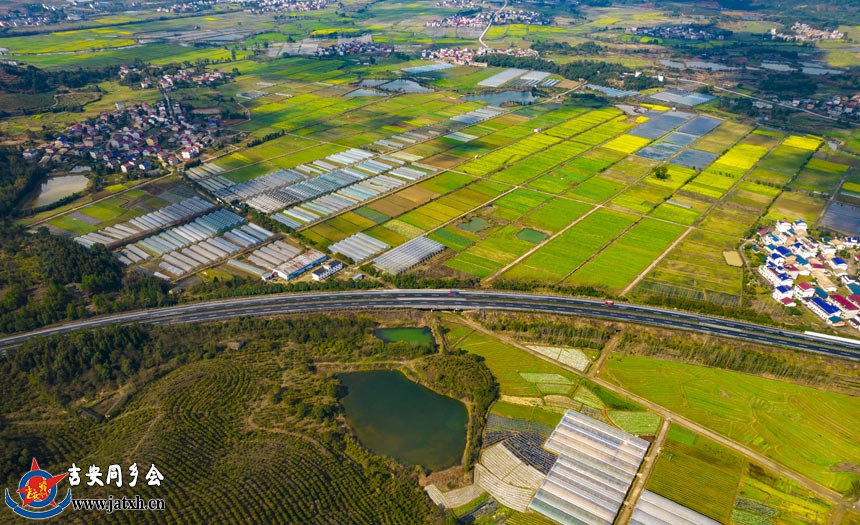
x,y
608,303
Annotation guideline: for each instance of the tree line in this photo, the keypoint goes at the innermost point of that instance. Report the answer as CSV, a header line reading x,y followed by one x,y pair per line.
x,y
17,179
49,278
30,79
462,375
582,333
717,353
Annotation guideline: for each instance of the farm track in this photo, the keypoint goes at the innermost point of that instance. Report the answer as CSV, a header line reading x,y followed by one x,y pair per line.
x,y
606,204
481,38
831,200
418,181
644,473
668,416
627,289
789,106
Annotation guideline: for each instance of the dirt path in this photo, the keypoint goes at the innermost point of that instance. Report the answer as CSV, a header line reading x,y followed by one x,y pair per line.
x,y
627,289
831,200
789,106
751,455
644,473
608,348
540,245
481,38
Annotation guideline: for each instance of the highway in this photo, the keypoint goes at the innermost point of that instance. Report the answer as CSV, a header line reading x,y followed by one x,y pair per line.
x,y
267,305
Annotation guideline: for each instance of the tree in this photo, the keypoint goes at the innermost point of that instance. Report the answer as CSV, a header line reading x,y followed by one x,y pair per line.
x,y
661,172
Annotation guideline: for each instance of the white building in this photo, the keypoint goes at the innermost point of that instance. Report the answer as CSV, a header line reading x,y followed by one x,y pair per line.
x,y
774,277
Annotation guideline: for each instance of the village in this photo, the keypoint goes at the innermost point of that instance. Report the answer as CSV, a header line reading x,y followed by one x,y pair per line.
x,y
837,106
499,17
456,4
182,78
134,139
258,7
464,56
816,273
806,33
187,7
680,32
353,47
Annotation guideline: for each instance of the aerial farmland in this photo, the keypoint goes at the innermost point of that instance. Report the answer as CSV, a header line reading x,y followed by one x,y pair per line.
x,y
454,261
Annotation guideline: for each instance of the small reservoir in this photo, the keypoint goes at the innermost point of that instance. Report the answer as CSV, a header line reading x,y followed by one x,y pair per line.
x,y
497,99
422,337
392,416
56,188
842,217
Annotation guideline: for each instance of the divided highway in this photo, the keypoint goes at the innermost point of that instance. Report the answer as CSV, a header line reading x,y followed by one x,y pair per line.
x,y
267,305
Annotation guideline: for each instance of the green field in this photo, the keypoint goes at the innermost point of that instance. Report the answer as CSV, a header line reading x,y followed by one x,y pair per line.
x,y
555,215
763,497
560,256
638,423
695,269
509,364
697,473
549,418
628,256
771,417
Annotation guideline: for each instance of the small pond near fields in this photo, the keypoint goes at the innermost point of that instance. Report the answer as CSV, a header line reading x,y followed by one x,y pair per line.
x,y
392,416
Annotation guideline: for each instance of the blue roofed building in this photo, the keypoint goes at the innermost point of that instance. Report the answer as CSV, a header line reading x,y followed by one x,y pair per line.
x,y
822,309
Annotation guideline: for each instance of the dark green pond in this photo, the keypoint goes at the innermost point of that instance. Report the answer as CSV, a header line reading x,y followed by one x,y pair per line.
x,y
392,416
416,336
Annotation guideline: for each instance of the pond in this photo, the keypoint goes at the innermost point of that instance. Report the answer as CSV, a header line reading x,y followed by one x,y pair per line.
x,y
474,225
395,417
843,218
416,336
405,86
700,64
497,99
56,188
365,92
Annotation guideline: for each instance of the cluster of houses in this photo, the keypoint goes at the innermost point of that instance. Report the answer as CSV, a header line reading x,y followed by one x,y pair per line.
x,y
680,32
498,17
512,51
456,4
478,20
280,6
836,106
182,78
456,55
187,7
806,33
131,139
353,47
24,21
808,271
190,77
36,15
464,56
